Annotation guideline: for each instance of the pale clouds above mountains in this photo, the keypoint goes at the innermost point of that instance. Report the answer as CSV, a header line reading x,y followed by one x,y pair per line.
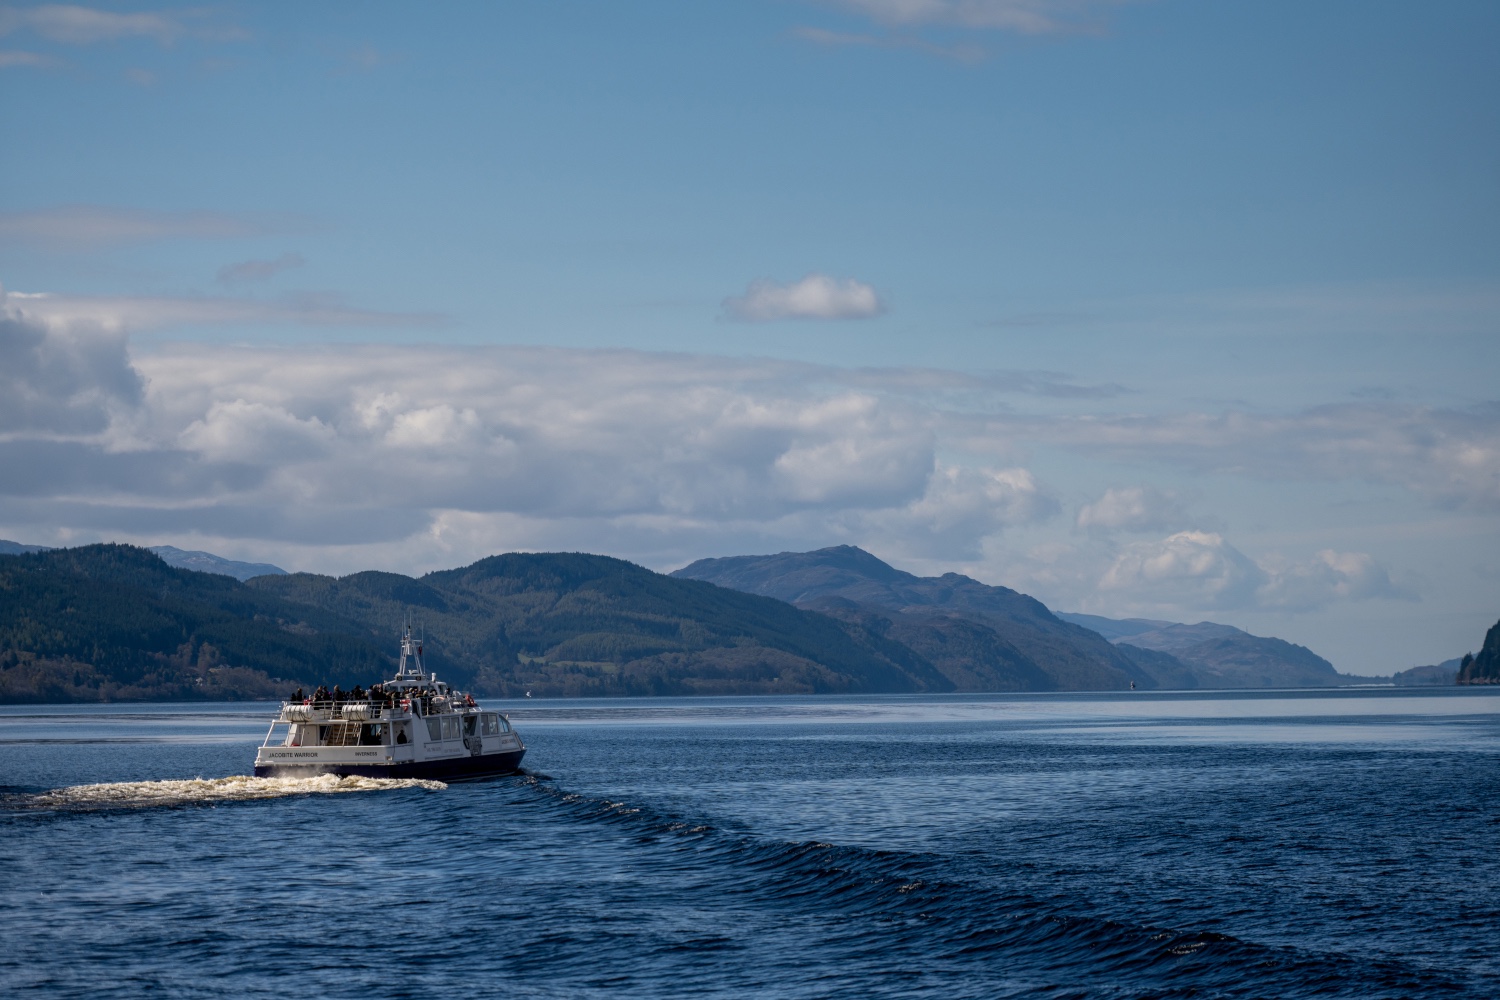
x,y
1449,456
1132,508
415,458
1199,568
63,381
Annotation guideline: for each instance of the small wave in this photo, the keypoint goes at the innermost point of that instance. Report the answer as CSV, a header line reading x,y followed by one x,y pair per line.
x,y
235,788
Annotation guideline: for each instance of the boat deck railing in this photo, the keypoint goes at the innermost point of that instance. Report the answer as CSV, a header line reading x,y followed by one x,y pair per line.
x,y
370,711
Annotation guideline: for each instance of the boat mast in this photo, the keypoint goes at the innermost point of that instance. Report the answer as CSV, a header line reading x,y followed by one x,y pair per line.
x,y
412,670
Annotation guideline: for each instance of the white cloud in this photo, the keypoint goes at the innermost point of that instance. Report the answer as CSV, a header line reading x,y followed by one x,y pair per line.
x,y
1199,570
139,313
1451,456
71,381
1188,569
1132,508
90,226
623,447
74,25
816,296
17,57
432,427
242,431
1029,17
259,270
1326,577
366,58
843,39
959,509
70,24
852,450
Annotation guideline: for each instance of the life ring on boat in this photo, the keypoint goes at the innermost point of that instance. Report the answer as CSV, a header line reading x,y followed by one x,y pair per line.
x,y
469,700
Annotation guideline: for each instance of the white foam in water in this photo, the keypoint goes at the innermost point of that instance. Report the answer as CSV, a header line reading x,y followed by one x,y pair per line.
x,y
237,787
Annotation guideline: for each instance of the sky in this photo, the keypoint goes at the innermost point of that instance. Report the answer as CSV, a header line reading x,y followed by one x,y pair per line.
x,y
1186,311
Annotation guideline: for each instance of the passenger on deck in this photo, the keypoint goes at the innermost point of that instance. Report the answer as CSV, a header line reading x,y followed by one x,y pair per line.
x,y
338,694
298,697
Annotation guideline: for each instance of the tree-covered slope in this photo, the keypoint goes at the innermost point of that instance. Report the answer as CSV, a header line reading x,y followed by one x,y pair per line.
x,y
114,622
1484,667
578,624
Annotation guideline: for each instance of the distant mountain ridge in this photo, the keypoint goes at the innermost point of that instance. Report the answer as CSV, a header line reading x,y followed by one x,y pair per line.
x,y
982,638
1433,673
1221,656
203,562
1114,629
987,638
207,562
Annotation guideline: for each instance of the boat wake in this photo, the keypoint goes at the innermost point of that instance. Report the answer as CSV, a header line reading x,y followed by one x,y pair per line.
x,y
960,923
236,788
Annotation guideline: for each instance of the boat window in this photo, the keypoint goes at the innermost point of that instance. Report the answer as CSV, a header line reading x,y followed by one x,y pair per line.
x,y
471,725
450,727
371,735
489,725
435,728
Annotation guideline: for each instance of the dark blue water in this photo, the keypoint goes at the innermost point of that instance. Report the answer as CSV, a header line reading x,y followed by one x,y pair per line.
x,y
1339,844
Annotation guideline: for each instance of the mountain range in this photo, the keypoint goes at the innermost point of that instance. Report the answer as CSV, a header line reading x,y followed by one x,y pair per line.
x,y
993,638
115,622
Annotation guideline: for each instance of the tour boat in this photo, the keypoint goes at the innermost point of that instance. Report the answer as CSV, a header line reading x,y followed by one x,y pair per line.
x,y
415,726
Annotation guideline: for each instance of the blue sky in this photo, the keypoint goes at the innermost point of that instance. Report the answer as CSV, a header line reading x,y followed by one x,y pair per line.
x,y
1159,308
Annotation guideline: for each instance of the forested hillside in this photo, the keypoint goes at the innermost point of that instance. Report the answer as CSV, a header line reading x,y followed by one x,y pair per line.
x,y
1485,667
577,624
114,622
